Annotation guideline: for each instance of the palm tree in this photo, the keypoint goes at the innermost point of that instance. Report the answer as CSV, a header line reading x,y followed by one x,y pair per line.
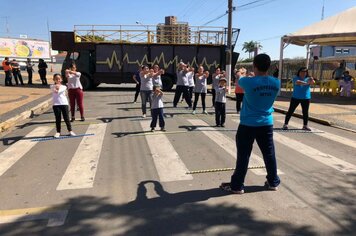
x,y
250,47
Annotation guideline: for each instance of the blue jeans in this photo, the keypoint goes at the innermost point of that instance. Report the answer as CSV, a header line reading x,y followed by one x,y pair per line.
x,y
220,113
145,95
157,113
245,138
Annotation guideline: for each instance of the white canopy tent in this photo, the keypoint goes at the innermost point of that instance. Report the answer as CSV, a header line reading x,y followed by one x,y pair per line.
x,y
336,30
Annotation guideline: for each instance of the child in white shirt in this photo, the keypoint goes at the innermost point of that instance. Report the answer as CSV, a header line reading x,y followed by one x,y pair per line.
x,y
60,105
157,108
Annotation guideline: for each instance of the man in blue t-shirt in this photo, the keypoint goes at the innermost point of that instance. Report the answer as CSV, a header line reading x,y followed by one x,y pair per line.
x,y
256,122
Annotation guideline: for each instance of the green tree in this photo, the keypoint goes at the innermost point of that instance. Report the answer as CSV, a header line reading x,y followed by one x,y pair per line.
x,y
92,38
250,47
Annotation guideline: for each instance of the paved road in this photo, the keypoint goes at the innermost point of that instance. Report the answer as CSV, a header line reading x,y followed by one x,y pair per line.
x,y
122,180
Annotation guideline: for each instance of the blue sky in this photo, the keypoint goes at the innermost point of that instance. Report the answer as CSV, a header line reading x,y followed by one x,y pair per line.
x,y
265,23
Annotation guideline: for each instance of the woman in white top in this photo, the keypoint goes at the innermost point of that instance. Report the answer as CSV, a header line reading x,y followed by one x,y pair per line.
x,y
157,76
200,88
215,83
146,88
60,105
75,91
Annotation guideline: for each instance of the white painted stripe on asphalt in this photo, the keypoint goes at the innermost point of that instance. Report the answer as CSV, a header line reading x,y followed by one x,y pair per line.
x,y
330,136
168,164
81,170
56,218
17,150
315,154
229,145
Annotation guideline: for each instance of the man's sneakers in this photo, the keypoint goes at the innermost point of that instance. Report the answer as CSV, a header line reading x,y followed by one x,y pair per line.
x,y
144,116
194,112
152,129
227,187
205,112
285,127
71,133
269,187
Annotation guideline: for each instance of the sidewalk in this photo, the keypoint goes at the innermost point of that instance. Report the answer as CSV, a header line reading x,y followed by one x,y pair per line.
x,y
21,102
324,109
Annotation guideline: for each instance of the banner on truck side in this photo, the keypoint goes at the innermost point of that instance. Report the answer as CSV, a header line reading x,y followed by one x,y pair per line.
x,y
23,48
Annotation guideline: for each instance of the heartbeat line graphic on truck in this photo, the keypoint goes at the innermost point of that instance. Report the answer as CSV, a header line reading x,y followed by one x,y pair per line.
x,y
111,62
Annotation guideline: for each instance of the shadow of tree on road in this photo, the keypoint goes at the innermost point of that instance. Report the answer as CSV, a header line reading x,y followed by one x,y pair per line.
x,y
167,214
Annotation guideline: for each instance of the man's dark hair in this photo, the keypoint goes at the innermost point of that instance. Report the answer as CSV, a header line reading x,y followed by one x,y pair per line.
x,y
262,62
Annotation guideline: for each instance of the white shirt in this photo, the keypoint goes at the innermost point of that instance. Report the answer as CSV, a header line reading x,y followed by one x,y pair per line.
x,y
60,97
191,79
74,81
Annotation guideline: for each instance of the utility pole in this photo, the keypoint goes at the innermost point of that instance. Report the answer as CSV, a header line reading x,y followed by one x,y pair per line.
x,y
228,50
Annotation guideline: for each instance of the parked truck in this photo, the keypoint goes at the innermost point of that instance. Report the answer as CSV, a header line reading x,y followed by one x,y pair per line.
x,y
112,54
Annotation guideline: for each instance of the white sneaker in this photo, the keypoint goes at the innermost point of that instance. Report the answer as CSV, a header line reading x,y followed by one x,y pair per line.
x,y
71,133
144,116
193,112
269,187
57,135
205,112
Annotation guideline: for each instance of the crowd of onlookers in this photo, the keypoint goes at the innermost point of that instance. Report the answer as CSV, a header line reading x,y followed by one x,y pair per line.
x,y
13,71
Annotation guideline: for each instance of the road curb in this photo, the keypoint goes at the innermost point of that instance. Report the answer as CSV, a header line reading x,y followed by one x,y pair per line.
x,y
36,110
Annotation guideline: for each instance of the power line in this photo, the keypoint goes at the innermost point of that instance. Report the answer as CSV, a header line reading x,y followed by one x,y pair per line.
x,y
244,7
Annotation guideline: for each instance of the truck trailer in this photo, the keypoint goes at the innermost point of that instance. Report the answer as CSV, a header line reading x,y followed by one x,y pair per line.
x,y
112,54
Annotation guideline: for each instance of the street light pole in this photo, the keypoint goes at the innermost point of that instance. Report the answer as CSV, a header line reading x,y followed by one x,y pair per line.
x,y
148,31
228,49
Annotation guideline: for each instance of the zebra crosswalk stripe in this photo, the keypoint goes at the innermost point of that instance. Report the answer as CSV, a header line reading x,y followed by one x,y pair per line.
x,y
16,151
229,145
168,164
81,170
330,136
315,154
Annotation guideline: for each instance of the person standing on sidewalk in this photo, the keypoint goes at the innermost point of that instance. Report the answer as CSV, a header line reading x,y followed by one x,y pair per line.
x,y
42,70
75,91
6,65
16,72
200,88
29,68
182,85
301,94
60,105
137,79
256,122
239,92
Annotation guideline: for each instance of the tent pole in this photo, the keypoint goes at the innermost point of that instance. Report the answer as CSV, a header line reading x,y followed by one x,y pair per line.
x,y
308,56
280,65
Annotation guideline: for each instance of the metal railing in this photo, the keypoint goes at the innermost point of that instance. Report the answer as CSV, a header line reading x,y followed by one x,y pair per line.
x,y
151,34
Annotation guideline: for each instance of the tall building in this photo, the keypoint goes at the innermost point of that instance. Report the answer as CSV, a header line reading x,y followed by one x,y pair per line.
x,y
173,31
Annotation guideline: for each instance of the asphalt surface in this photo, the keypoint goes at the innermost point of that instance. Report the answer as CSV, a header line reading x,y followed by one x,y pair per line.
x,y
132,193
